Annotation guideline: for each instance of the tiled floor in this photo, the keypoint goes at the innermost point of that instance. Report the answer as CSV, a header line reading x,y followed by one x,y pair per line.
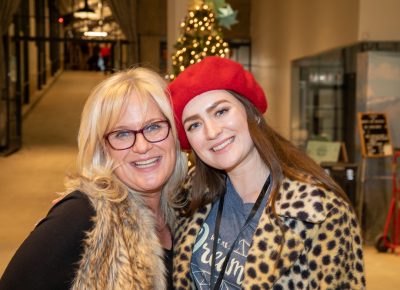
x,y
31,177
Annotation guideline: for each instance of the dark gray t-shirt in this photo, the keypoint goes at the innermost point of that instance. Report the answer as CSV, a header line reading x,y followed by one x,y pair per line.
x,y
234,216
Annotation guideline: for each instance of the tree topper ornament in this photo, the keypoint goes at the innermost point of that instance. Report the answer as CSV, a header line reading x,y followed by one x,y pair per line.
x,y
225,14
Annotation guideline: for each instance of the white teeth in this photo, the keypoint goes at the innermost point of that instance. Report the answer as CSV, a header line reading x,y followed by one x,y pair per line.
x,y
146,163
223,145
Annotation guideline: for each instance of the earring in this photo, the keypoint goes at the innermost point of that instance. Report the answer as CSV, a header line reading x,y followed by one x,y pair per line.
x,y
258,120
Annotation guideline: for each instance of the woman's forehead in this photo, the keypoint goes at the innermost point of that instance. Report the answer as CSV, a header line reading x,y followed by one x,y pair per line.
x,y
207,101
138,110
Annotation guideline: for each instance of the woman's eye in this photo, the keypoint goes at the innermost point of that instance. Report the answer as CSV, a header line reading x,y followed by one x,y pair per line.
x,y
221,112
122,134
192,126
152,127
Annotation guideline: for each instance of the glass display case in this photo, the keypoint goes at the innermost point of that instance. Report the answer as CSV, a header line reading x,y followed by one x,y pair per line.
x,y
328,90
324,95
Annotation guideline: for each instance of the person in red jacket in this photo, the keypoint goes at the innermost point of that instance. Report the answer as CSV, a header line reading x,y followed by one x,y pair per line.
x,y
105,54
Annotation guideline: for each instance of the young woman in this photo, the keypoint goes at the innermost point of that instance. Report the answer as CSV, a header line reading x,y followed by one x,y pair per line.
x,y
262,214
112,230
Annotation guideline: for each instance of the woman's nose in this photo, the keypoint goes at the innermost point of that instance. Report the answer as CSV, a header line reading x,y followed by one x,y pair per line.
x,y
213,130
141,144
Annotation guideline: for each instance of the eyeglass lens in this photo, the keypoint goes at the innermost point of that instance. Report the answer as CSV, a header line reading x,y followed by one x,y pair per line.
x,y
154,132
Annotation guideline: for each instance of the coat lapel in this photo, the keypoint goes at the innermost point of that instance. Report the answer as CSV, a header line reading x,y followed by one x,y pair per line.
x,y
185,238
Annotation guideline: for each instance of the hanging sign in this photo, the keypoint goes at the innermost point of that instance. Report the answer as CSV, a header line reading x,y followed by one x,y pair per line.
x,y
374,135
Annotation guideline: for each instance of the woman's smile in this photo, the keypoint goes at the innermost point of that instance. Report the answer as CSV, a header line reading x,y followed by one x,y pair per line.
x,y
223,145
147,163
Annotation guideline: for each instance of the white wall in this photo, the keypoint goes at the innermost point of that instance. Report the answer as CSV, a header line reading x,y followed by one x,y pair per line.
x,y
285,30
379,20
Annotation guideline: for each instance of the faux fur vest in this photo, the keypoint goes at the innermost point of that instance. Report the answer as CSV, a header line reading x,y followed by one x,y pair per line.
x,y
122,251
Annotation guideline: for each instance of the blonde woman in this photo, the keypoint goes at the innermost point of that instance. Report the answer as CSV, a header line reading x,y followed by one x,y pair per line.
x,y
112,230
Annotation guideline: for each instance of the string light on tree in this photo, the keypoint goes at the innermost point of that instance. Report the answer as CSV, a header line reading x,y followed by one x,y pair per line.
x,y
201,37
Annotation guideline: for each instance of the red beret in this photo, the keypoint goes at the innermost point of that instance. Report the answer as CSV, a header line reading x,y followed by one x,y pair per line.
x,y
213,73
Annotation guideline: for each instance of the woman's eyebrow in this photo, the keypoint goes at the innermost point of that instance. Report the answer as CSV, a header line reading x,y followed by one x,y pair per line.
x,y
143,124
191,118
208,110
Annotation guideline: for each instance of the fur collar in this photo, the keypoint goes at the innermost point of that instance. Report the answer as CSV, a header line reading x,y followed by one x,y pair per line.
x,y
122,251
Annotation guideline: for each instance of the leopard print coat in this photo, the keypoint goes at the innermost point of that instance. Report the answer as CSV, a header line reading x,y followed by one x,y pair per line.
x,y
320,246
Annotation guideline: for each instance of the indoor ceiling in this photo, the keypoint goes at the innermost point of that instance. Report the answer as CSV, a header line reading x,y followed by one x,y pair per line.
x,y
85,17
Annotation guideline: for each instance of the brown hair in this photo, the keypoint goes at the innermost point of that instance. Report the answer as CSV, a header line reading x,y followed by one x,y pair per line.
x,y
281,156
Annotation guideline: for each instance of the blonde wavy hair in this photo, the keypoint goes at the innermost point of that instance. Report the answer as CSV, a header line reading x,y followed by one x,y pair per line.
x,y
102,111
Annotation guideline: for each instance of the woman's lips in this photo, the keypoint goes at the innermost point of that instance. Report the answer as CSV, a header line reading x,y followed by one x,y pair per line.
x,y
222,145
146,163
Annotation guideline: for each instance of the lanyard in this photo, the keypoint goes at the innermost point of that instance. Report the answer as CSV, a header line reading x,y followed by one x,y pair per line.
x,y
256,206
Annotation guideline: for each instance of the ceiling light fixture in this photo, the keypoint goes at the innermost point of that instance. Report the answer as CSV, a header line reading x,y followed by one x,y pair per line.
x,y
86,12
95,33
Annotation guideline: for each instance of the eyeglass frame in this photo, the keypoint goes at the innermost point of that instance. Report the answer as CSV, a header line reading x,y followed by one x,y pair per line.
x,y
135,132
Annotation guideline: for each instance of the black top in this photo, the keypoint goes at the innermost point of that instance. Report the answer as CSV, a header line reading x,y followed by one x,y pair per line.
x,y
168,266
48,258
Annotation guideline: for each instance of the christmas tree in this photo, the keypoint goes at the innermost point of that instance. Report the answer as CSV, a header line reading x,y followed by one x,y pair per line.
x,y
201,37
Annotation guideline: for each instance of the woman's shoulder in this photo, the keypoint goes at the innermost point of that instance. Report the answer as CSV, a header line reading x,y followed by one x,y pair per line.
x,y
56,240
308,201
75,196
73,208
76,201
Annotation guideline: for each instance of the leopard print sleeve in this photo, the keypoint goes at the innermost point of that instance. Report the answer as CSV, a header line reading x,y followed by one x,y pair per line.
x,y
336,252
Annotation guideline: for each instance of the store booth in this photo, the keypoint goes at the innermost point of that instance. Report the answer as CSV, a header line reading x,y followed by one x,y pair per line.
x,y
345,114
